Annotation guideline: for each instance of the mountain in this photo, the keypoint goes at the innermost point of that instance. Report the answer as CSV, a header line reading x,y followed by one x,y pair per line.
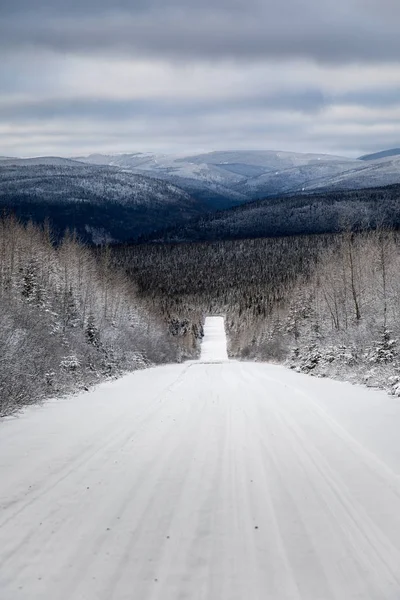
x,y
205,181
225,179
298,178
326,212
383,154
128,196
103,204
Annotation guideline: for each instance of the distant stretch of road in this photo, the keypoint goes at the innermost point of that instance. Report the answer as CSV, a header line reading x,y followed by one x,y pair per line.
x,y
214,345
210,480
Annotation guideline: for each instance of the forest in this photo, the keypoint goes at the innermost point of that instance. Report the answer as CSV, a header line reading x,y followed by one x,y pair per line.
x,y
100,203
68,318
302,214
322,304
106,205
72,315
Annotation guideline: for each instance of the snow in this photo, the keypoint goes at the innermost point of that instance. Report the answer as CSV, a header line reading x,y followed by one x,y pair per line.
x,y
228,481
209,171
213,348
374,173
244,175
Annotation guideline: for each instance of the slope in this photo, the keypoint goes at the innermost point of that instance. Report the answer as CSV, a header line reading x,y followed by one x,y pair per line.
x,y
322,212
227,178
371,173
101,203
383,154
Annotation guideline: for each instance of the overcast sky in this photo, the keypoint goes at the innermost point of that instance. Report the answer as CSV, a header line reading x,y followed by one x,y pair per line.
x,y
81,76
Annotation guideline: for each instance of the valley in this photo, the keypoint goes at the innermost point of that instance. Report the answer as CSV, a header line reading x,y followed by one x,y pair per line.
x,y
127,197
230,178
101,204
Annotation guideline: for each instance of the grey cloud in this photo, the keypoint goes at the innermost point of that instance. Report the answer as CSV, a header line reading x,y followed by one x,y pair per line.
x,y
344,31
163,135
35,80
372,98
92,7
353,143
305,101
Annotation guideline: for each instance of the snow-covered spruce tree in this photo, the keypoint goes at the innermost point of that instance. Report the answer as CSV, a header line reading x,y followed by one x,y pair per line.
x,y
383,350
91,332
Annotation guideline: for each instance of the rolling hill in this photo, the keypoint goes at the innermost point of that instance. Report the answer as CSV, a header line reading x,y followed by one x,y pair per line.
x,y
225,179
102,204
383,154
374,173
124,197
324,212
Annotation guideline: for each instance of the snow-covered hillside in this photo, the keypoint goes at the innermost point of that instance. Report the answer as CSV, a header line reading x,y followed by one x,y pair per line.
x,y
55,182
168,190
237,177
382,154
299,177
205,180
227,178
101,203
371,173
228,481
233,176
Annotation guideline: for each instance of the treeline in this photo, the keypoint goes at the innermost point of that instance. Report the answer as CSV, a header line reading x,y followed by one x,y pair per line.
x,y
68,318
327,304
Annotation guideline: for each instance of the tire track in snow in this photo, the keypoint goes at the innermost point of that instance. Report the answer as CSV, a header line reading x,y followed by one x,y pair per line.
x,y
206,482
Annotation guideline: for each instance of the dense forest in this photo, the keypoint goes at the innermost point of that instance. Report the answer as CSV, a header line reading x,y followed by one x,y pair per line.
x,y
327,305
303,214
243,279
102,204
105,204
68,318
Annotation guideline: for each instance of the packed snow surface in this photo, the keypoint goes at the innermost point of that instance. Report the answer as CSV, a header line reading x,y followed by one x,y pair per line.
x,y
213,348
228,481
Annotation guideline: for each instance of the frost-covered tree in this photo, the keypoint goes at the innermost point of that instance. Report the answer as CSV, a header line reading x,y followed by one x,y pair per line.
x,y
67,319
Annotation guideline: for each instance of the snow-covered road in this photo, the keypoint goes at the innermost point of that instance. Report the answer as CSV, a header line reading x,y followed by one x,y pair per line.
x,y
213,347
203,481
